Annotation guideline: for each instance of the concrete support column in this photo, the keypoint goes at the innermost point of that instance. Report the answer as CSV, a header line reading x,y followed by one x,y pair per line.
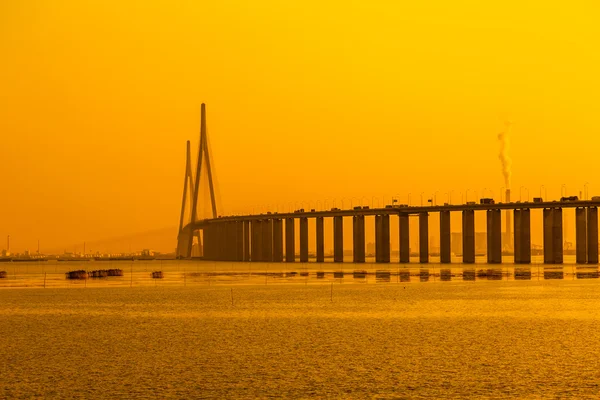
x,y
303,239
525,237
557,236
277,240
205,243
256,252
494,237
404,239
468,232
445,252
581,235
219,241
358,242
548,248
290,240
267,244
239,241
227,240
222,251
320,240
592,236
211,241
423,238
222,229
224,246
385,239
518,230
338,239
246,241
553,236
377,238
229,244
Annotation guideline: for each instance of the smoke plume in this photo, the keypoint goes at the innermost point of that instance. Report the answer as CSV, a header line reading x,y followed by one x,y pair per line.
x,y
504,138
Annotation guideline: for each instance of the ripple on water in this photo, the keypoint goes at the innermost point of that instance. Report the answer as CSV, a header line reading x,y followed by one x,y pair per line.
x,y
452,339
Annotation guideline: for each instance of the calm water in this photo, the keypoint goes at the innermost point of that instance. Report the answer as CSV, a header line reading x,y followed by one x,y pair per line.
x,y
300,339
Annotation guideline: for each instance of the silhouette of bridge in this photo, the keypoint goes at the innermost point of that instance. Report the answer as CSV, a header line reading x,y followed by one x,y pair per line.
x,y
261,237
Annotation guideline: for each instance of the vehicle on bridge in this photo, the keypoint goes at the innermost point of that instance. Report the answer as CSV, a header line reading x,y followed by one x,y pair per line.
x,y
569,198
486,200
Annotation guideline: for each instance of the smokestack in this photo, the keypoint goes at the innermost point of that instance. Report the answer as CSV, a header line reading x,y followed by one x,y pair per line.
x,y
508,234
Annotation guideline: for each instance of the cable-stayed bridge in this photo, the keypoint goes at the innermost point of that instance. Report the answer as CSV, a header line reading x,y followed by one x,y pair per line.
x,y
270,237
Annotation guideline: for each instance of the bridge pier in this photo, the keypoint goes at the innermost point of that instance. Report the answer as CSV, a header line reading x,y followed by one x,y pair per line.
x,y
358,242
522,236
229,244
557,236
222,240
518,227
303,239
382,238
290,240
246,241
320,240
445,252
581,235
424,238
494,237
184,239
592,235
338,239
277,240
267,241
239,240
385,238
256,253
468,232
404,239
553,236
213,242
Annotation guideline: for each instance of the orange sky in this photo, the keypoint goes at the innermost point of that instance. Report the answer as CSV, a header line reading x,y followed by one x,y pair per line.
x,y
306,101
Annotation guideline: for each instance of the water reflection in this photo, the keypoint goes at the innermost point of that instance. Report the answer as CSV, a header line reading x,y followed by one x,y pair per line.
x,y
404,275
383,276
522,273
215,273
554,273
445,274
468,274
587,273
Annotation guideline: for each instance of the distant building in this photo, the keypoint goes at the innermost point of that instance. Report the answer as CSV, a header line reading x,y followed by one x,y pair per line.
x,y
434,244
456,244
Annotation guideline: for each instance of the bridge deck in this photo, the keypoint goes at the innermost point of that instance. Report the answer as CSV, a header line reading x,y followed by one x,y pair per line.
x,y
412,210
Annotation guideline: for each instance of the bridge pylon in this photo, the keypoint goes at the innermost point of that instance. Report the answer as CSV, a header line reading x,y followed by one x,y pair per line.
x,y
191,186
